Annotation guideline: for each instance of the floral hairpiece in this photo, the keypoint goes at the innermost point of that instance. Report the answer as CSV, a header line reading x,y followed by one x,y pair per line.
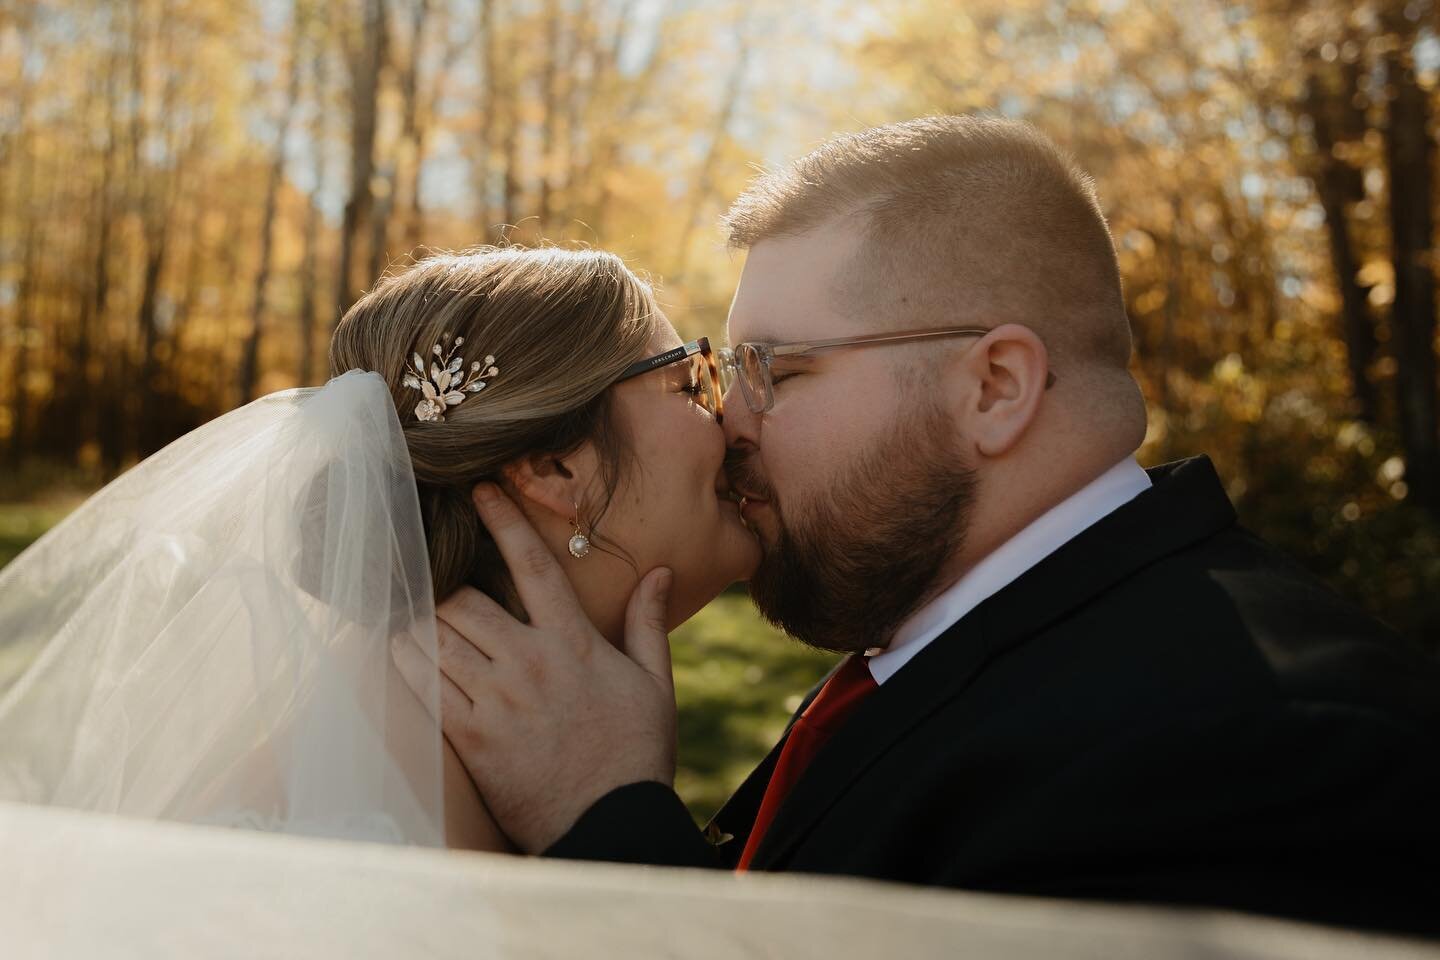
x,y
448,381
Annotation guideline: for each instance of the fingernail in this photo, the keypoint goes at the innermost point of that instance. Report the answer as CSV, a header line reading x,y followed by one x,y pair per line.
x,y
486,493
662,582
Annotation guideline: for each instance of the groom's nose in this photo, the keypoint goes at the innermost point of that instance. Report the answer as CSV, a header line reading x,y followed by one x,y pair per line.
x,y
742,428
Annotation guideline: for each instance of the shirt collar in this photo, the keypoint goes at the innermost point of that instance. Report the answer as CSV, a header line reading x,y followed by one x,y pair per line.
x,y
1048,533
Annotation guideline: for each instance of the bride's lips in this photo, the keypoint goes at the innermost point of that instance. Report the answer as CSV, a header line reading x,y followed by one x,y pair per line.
x,y
732,498
749,503
725,495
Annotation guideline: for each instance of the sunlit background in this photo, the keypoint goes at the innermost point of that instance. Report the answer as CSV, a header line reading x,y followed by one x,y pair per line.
x,y
192,192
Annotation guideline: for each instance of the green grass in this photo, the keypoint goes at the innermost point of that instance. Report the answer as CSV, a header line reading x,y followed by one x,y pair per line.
x,y
22,524
736,678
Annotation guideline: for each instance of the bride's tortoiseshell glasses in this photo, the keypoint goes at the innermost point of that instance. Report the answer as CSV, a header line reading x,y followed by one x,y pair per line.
x,y
705,378
750,363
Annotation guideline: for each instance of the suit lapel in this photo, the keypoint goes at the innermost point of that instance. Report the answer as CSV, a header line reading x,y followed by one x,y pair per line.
x,y
737,816
1187,504
882,719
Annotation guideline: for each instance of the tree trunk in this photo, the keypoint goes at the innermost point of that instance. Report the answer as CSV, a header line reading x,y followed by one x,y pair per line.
x,y
25,296
196,258
1165,353
510,159
1334,117
309,280
550,97
639,83
482,164
145,429
92,310
413,126
250,353
120,418
704,187
365,70
159,190
380,210
1408,155
580,94
309,288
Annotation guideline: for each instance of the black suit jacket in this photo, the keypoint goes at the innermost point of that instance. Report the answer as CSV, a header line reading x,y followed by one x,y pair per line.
x,y
1165,709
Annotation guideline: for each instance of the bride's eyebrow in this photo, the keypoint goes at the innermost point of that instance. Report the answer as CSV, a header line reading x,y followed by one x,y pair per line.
x,y
680,372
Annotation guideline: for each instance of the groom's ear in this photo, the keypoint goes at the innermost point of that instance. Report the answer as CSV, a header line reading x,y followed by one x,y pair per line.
x,y
1005,375
552,483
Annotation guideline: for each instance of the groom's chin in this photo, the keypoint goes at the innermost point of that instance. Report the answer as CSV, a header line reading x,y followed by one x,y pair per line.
x,y
761,518
790,599
767,589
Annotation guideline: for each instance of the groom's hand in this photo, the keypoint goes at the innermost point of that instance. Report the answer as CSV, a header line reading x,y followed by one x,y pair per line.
x,y
548,717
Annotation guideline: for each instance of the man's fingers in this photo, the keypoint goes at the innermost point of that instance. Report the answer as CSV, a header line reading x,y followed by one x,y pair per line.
x,y
538,579
425,680
477,619
457,712
646,641
460,660
438,692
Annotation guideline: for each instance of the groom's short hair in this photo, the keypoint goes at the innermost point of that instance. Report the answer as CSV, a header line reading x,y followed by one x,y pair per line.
x,y
965,219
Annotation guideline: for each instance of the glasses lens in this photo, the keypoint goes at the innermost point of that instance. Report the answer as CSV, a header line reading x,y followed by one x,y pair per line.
x,y
752,378
709,389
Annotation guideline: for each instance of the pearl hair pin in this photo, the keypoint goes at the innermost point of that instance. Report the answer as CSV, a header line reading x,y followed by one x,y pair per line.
x,y
447,382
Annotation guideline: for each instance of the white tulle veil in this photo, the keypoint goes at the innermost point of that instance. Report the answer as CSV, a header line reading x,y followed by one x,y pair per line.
x,y
207,639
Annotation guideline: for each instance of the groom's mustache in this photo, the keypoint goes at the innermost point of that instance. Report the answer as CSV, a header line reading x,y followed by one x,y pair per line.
x,y
745,478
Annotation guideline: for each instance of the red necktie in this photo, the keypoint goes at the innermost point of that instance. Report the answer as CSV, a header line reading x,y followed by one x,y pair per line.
x,y
841,694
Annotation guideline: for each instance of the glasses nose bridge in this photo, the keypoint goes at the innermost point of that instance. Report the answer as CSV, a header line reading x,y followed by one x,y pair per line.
x,y
727,366
748,367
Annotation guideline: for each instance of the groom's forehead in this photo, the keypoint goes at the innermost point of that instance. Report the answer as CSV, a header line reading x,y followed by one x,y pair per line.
x,y
788,290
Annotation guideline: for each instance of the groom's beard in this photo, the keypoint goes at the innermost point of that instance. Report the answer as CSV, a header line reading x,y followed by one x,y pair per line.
x,y
853,561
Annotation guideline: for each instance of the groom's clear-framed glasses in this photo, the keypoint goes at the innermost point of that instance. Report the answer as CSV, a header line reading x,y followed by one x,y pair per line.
x,y
749,363
704,375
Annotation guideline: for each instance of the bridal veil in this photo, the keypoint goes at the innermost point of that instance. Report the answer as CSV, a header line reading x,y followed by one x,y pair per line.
x,y
207,639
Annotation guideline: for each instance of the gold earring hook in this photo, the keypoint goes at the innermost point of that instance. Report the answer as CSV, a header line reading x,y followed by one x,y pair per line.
x,y
579,544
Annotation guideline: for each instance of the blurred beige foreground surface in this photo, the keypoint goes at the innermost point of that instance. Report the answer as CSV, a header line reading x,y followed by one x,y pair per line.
x,y
84,885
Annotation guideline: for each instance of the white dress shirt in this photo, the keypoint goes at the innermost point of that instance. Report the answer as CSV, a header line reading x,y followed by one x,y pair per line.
x,y
1052,530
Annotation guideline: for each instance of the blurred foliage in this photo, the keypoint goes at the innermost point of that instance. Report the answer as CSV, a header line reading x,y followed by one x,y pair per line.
x,y
1326,489
191,191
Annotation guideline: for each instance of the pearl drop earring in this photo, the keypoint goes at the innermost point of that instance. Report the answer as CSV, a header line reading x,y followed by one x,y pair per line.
x,y
579,543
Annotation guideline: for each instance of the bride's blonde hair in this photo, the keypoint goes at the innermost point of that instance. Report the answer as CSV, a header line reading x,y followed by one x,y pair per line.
x,y
562,326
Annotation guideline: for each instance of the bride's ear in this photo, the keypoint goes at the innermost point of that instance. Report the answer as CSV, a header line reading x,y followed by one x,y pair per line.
x,y
554,484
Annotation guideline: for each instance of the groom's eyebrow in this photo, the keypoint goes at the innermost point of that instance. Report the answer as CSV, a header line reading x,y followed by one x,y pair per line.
x,y
793,360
